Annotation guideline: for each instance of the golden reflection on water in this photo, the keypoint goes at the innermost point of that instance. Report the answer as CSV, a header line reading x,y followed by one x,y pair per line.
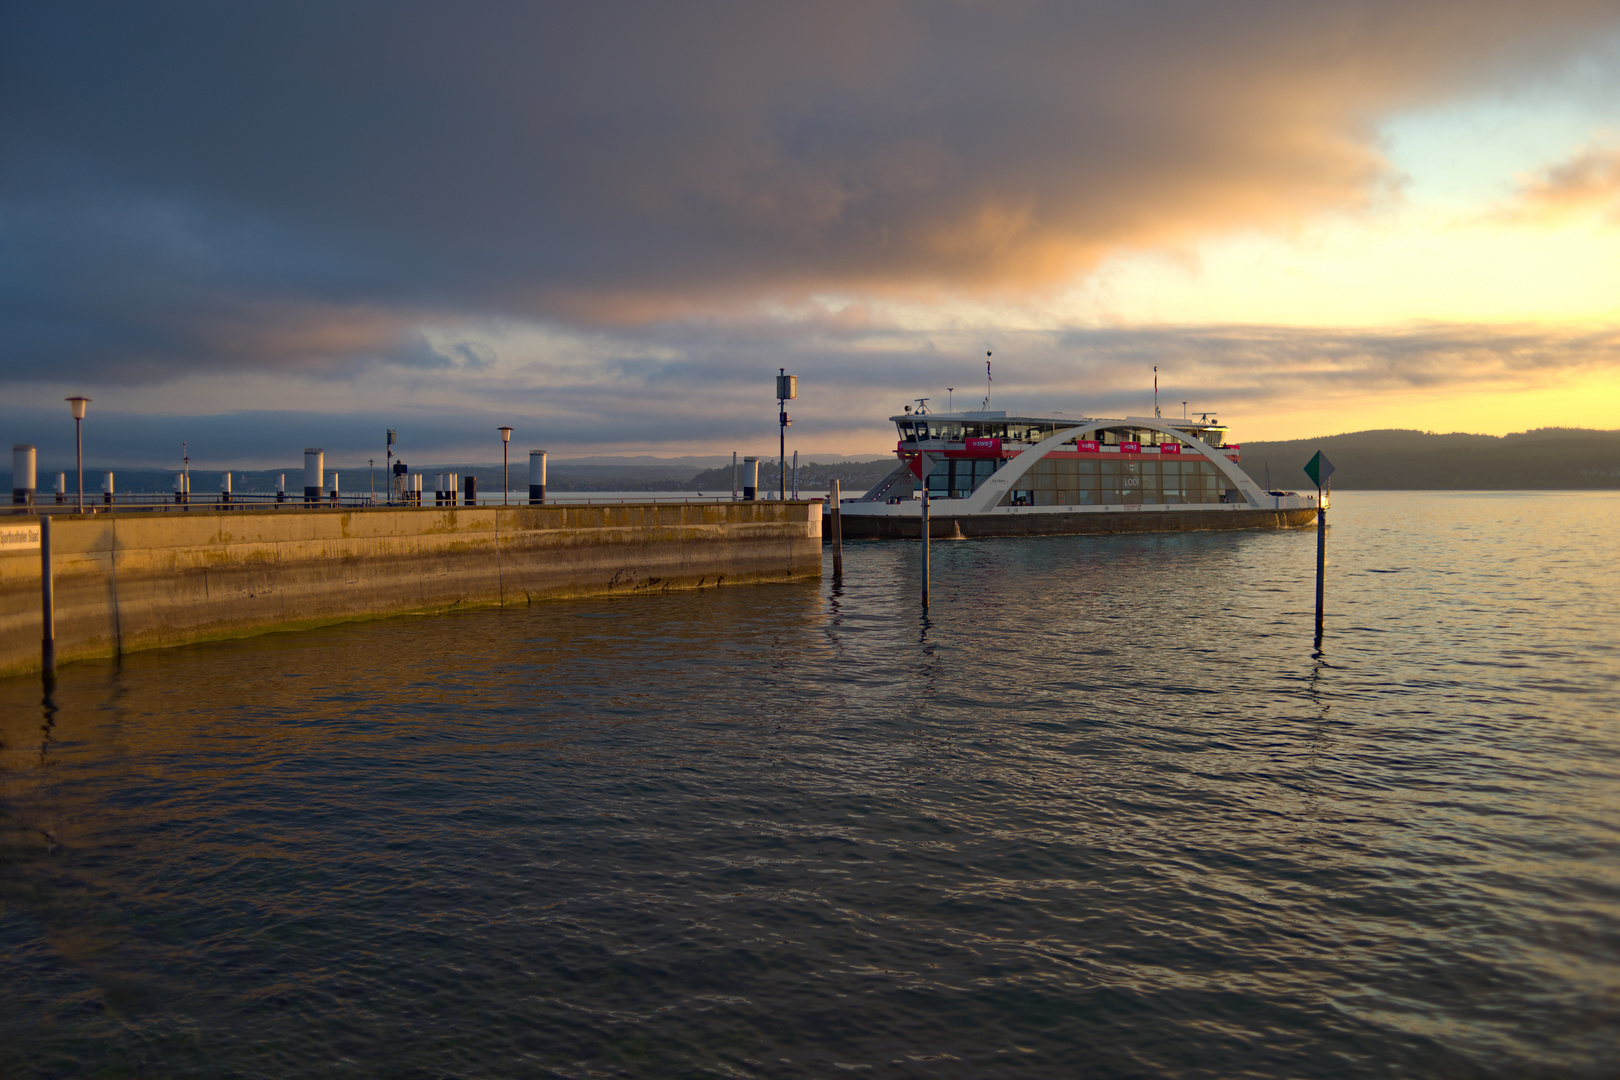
x,y
1097,771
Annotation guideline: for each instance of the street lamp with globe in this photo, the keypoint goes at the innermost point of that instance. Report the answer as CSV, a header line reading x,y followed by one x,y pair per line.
x,y
506,476
77,404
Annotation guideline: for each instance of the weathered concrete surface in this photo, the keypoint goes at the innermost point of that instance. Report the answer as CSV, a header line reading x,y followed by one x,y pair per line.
x,y
141,581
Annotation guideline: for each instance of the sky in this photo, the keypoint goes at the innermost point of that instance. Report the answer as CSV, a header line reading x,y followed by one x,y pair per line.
x,y
256,227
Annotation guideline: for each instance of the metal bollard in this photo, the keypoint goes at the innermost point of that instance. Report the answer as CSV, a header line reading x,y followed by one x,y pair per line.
x,y
537,477
22,474
314,474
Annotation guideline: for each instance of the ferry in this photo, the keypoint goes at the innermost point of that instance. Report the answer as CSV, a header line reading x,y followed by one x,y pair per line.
x,y
991,474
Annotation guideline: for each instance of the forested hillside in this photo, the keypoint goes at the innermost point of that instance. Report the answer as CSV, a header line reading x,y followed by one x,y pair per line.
x,y
1546,458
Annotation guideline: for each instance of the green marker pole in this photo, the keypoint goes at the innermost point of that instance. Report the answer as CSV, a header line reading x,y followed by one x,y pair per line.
x,y
1319,468
1321,558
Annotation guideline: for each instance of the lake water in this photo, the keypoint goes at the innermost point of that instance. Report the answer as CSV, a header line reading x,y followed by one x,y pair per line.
x,y
1105,811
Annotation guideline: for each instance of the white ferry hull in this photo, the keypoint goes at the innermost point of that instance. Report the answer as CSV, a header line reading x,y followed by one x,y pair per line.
x,y
871,523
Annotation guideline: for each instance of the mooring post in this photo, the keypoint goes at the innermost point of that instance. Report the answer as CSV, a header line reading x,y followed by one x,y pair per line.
x,y
925,544
1321,558
537,477
837,532
750,478
1319,469
22,474
47,601
314,474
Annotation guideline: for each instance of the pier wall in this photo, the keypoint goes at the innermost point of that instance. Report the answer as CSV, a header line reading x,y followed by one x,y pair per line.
x,y
125,582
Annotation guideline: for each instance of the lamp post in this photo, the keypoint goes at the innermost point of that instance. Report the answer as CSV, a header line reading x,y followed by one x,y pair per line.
x,y
787,388
506,476
77,404
388,465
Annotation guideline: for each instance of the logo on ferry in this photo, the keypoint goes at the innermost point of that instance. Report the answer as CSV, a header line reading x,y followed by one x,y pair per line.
x,y
1170,448
1087,446
992,445
1130,448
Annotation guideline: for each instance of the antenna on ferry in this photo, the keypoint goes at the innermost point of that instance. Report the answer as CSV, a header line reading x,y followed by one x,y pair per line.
x,y
1156,415
987,380
922,406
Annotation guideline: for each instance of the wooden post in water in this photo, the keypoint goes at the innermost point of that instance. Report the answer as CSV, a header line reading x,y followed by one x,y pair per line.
x,y
837,531
925,567
47,601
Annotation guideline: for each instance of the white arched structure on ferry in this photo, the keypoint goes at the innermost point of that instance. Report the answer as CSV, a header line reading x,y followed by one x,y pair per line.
x,y
988,495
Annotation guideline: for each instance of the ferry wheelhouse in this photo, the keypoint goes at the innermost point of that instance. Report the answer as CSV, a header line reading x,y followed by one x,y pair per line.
x,y
991,474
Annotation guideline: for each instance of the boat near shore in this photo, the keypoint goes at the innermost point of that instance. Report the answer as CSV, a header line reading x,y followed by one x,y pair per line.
x,y
993,474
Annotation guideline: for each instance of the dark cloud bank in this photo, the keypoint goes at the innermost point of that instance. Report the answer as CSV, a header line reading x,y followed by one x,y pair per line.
x,y
186,186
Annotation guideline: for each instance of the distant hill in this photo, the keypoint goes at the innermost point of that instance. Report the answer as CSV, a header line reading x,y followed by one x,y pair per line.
x,y
851,475
1396,459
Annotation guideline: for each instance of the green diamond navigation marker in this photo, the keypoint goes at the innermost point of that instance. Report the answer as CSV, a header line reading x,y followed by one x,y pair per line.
x,y
1319,468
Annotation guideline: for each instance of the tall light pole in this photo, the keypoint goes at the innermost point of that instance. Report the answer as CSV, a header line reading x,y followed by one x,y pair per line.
x,y
506,476
950,400
787,388
77,404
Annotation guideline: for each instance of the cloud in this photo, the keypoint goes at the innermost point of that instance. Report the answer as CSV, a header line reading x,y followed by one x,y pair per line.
x,y
201,187
1586,183
678,389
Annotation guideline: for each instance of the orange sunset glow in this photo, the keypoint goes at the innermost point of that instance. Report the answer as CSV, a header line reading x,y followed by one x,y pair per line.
x,y
614,222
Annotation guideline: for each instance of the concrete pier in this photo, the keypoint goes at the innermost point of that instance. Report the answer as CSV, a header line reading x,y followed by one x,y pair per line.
x,y
126,582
